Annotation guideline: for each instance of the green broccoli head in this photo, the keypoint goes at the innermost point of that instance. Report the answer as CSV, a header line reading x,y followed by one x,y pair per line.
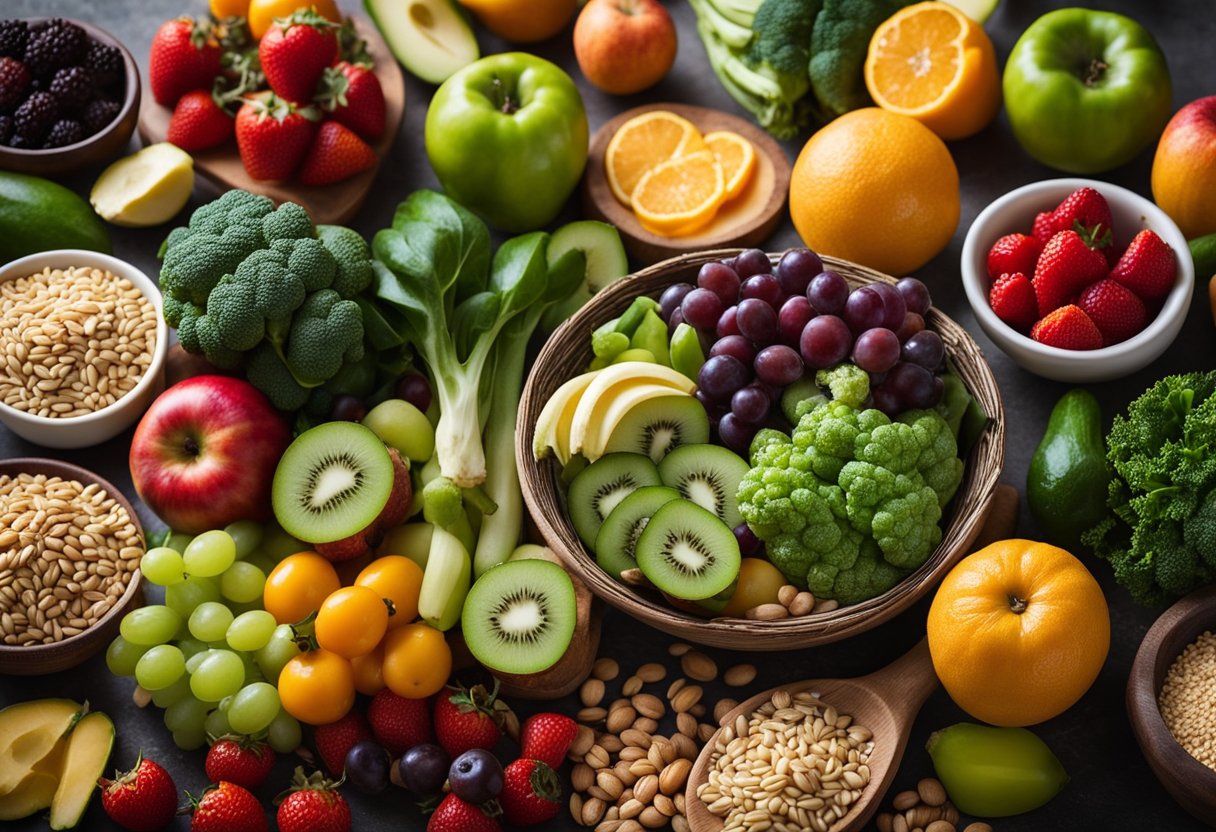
x,y
1199,530
325,332
937,460
354,264
219,236
288,222
847,383
869,577
267,372
783,37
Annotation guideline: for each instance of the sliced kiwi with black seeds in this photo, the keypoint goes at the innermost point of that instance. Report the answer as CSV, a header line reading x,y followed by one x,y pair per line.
x,y
709,476
519,616
618,536
657,426
597,489
331,482
688,552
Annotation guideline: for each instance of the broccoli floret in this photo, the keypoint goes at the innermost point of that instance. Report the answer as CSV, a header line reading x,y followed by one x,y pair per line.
x,y
938,460
353,258
288,222
176,310
783,37
839,44
847,383
220,235
325,331
870,576
1199,530
267,372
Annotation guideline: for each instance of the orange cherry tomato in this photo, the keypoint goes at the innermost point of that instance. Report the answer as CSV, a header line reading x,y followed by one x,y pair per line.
x,y
351,621
369,671
317,687
297,586
399,580
417,661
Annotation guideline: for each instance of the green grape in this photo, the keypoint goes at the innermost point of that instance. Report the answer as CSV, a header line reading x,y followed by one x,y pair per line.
x,y
179,541
242,582
246,534
188,740
184,597
186,714
122,656
250,631
253,673
160,667
191,646
254,708
163,566
220,674
224,704
284,733
177,691
209,554
151,625
278,544
277,652
217,724
262,561
209,621
194,661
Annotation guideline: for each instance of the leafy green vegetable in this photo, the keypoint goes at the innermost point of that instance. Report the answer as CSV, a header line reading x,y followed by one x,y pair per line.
x,y
838,51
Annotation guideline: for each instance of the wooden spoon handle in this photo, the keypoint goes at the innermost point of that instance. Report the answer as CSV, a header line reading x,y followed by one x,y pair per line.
x,y
906,682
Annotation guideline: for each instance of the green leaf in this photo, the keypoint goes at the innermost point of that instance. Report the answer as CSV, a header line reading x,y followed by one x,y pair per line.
x,y
461,250
381,333
520,271
473,319
566,274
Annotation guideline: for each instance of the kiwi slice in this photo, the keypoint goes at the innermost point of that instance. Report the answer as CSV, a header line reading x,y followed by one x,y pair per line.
x,y
688,552
331,482
656,426
597,489
709,476
619,534
519,616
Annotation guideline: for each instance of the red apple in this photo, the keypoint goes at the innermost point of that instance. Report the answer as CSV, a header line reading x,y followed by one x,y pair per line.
x,y
1184,168
204,454
624,46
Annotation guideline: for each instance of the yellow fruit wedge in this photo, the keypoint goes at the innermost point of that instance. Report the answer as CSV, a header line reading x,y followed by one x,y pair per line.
x,y
88,750
611,413
31,732
146,188
610,382
680,196
553,424
645,142
736,156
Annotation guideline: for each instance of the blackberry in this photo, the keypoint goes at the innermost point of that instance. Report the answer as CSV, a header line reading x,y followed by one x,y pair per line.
x,y
14,81
35,117
20,142
6,128
65,132
105,62
97,114
14,35
54,46
73,87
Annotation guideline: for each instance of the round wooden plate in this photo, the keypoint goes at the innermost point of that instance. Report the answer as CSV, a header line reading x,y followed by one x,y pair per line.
x,y
747,220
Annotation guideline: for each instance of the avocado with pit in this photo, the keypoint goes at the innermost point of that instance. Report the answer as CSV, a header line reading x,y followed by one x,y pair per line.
x,y
430,38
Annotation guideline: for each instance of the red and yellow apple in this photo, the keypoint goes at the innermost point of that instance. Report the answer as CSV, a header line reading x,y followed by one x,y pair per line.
x,y
1184,169
624,46
204,454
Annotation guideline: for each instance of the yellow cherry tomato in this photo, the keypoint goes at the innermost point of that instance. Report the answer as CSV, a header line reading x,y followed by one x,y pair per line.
x,y
317,687
417,661
263,12
399,580
297,586
229,8
369,671
351,621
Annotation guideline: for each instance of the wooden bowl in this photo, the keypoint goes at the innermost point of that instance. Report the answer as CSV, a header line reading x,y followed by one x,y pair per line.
x,y
1189,782
50,658
100,147
568,352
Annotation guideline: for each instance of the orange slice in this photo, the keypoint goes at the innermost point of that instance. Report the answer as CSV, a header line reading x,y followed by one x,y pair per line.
x,y
644,142
680,195
736,156
933,63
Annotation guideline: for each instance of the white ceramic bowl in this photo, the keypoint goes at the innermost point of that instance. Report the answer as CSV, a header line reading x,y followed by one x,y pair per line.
x,y
97,427
1130,214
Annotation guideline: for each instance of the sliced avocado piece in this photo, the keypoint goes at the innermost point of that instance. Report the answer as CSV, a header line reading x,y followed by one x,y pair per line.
x,y
606,263
651,335
88,751
430,38
29,733
686,354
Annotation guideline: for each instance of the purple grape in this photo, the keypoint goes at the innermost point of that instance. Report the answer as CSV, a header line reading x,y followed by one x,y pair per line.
x,y
885,399
939,390
876,350
763,287
715,410
702,308
735,433
752,262
893,305
913,323
749,544
736,346
864,310
780,365
916,295
671,299
912,384
476,776
423,769
792,318
721,376
367,767
825,342
751,404
677,318
415,389
729,262
877,379
757,321
828,292
926,349
721,280
347,409
797,267
728,324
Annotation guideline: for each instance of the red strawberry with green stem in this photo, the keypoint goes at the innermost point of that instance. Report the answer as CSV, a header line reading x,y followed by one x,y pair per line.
x,y
1068,328
468,718
241,760
1013,300
350,94
454,815
336,154
227,808
143,799
202,120
334,740
273,137
399,723
1086,212
1148,267
531,793
185,56
1066,266
1013,253
1114,309
547,737
294,53
312,804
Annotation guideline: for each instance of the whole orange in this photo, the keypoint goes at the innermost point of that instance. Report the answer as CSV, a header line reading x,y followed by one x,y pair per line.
x,y
877,188
624,46
523,21
1184,169
1018,632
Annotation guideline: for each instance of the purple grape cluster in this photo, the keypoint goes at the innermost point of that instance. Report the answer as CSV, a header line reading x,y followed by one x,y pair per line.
x,y
764,328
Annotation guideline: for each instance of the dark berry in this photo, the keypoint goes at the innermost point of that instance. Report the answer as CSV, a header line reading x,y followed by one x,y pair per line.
x,y
56,45
6,129
97,114
14,81
34,118
14,35
73,86
105,62
65,132
20,142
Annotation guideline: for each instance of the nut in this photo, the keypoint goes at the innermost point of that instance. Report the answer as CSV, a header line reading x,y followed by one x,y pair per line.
x,y
931,791
721,709
646,788
591,715
686,724
651,672
940,826
593,810
697,665
645,723
582,777
592,692
678,648
802,604
610,743
905,800
685,698
675,686
620,718
767,612
605,669
666,805
597,757
636,739
652,818
787,594
607,780
673,777
583,740
647,704
631,686
740,675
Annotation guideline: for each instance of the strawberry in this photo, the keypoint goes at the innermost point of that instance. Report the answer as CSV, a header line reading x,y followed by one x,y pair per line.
x,y
1086,212
142,799
1067,328
351,95
336,154
399,723
294,53
1147,267
199,122
1013,300
1013,253
273,136
547,737
227,808
1044,227
454,815
531,793
241,760
1114,309
312,804
332,741
1066,266
468,718
185,56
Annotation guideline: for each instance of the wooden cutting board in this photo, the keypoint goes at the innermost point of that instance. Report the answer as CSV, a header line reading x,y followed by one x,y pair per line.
x,y
326,204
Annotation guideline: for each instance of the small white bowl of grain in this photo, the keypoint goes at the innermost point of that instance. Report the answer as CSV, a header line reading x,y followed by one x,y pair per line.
x,y
82,347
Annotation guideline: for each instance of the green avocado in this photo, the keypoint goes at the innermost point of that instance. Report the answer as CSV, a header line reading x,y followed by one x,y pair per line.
x,y
1067,481
1203,252
40,215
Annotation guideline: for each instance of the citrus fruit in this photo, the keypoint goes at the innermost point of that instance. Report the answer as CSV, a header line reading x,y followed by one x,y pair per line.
x,y
933,63
877,188
736,156
146,188
680,195
1184,168
221,9
523,21
263,12
1018,632
644,142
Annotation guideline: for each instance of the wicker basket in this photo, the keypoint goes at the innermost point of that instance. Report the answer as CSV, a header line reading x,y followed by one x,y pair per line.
x,y
568,352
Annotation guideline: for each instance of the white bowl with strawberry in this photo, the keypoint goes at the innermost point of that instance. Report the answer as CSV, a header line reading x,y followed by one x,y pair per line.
x,y
1077,280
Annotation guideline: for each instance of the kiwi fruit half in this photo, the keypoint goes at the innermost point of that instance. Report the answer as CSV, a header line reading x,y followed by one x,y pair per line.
x,y
709,476
687,552
597,489
519,616
332,482
656,426
618,536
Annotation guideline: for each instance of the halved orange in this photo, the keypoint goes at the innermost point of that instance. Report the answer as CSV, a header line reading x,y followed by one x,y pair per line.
x,y
681,195
736,156
933,63
644,142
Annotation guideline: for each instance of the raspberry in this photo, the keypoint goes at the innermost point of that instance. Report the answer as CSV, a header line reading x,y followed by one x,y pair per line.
x,y
73,87
57,44
105,62
14,35
34,118
65,132
14,81
97,114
